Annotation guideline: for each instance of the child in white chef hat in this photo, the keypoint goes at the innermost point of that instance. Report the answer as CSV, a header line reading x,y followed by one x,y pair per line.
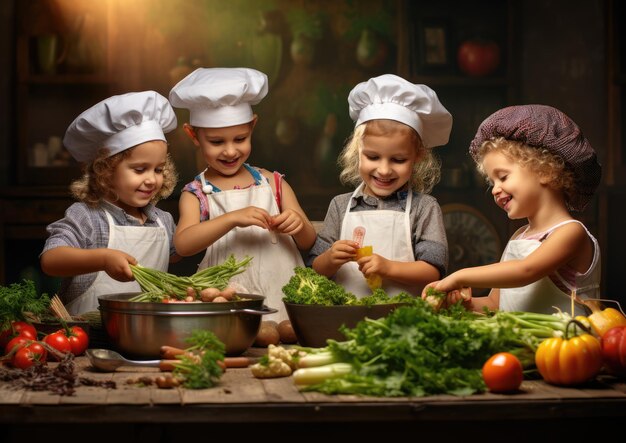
x,y
232,207
127,168
540,167
389,160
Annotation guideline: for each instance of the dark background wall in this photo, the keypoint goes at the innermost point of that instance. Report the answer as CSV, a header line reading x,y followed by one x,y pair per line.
x,y
557,52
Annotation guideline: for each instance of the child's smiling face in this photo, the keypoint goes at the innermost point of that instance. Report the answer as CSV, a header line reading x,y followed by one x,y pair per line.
x,y
225,150
386,162
515,189
139,176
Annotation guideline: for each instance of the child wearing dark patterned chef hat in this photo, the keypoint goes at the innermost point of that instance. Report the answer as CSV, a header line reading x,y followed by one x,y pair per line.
x,y
232,207
540,167
389,160
122,143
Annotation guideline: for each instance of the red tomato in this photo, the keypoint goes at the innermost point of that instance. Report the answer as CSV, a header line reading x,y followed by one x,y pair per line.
x,y
78,338
59,341
26,356
613,344
17,328
20,341
503,372
478,58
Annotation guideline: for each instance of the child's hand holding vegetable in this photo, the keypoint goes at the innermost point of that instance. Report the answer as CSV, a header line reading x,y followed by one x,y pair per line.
x,y
440,299
117,264
373,268
342,252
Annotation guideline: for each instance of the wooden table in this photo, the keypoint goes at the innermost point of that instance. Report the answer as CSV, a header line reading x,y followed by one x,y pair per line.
x,y
256,407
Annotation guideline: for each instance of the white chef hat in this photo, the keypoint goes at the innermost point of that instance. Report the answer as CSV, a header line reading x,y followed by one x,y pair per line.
x,y
118,123
219,97
393,98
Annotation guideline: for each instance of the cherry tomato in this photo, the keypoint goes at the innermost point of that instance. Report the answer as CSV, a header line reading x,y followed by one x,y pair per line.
x,y
17,328
613,344
59,341
25,357
78,338
17,342
503,372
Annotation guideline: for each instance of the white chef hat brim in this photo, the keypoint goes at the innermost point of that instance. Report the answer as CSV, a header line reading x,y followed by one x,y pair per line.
x,y
221,117
220,97
394,98
135,135
119,123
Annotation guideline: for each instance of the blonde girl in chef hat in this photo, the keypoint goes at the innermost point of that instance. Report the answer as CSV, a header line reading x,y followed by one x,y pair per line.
x,y
114,224
389,160
540,167
232,207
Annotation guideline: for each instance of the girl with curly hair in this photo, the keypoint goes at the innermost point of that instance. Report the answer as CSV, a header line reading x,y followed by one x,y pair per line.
x,y
389,160
540,167
115,223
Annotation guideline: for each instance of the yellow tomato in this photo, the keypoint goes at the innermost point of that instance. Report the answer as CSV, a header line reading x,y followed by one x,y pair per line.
x,y
373,281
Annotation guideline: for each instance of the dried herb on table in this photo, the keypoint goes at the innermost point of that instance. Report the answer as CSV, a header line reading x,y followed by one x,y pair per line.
x,y
60,380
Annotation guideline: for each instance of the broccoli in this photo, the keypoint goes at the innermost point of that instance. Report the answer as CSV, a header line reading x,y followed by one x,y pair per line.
x,y
307,287
380,297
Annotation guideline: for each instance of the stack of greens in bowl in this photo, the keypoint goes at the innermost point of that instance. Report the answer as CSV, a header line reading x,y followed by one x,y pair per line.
x,y
318,307
307,287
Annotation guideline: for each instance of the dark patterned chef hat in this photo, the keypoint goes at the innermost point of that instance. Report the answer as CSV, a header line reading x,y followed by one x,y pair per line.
x,y
543,126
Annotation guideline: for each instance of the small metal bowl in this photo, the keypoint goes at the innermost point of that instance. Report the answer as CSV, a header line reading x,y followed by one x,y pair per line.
x,y
139,329
315,324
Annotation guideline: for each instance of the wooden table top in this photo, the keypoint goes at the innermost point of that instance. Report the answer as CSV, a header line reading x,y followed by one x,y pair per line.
x,y
239,397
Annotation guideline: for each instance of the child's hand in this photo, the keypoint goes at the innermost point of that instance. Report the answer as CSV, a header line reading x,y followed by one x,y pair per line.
x,y
252,216
117,265
463,295
288,222
342,251
373,265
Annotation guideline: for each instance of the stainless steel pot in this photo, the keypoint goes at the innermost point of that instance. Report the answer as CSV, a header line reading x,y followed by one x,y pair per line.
x,y
139,329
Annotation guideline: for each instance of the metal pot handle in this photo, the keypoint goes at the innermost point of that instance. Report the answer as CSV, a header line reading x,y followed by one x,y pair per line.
x,y
263,311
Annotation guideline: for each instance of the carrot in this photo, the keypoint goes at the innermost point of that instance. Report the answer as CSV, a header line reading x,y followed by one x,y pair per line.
x,y
170,352
168,365
237,362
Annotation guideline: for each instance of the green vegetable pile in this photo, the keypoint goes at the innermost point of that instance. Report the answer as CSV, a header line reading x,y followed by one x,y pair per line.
x,y
307,287
20,302
156,285
415,351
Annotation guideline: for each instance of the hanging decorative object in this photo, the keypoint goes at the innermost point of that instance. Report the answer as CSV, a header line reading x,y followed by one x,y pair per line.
x,y
307,30
371,50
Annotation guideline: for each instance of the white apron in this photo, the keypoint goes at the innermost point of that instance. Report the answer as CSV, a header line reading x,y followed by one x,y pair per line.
x,y
274,256
389,233
543,295
150,246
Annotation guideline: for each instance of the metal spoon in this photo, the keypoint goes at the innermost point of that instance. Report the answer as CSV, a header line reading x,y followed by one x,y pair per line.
x,y
108,361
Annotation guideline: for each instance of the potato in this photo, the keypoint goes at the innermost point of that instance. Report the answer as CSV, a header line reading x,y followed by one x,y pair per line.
x,y
267,335
228,293
209,294
286,332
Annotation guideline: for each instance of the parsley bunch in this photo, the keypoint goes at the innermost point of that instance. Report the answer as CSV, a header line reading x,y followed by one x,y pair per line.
x,y
198,367
19,302
415,351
